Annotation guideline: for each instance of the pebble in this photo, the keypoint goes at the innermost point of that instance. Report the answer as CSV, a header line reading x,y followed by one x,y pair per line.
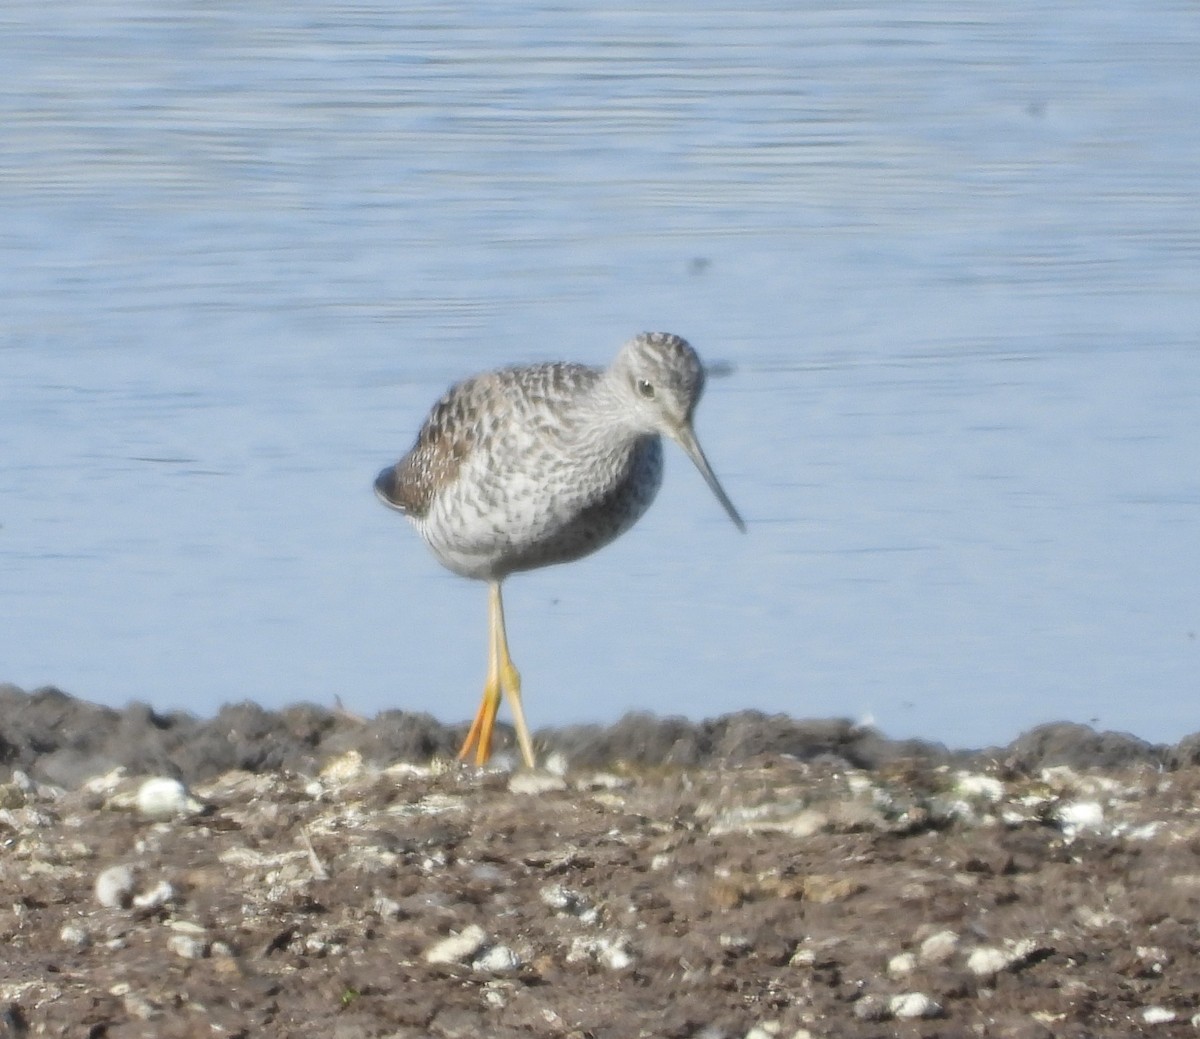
x,y
872,1008
824,888
23,782
806,823
159,895
556,762
534,783
616,955
861,784
388,908
803,957
499,959
1158,1016
114,887
939,947
980,787
1096,918
1156,959
1076,816
911,1006
565,900
163,797
75,935
602,781
343,768
1146,832
902,963
457,948
322,944
792,820
987,961
106,784
613,953
495,997
137,1005
188,946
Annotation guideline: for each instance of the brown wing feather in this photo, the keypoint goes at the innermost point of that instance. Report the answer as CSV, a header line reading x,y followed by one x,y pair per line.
x,y
443,444
455,425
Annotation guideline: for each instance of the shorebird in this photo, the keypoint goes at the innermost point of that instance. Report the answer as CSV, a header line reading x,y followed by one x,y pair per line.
x,y
529,466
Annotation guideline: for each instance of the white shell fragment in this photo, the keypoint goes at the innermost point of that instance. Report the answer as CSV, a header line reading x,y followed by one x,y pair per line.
x,y
911,1006
499,959
114,887
1076,817
535,783
611,952
987,961
188,946
939,947
163,797
457,948
1158,1016
161,894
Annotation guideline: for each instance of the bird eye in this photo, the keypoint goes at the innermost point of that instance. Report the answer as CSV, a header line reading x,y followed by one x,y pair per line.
x,y
645,388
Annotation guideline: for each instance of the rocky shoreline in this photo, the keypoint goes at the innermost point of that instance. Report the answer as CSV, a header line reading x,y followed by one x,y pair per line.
x,y
308,873
62,740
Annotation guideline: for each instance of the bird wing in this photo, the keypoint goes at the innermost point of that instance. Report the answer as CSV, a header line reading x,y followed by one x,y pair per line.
x,y
472,414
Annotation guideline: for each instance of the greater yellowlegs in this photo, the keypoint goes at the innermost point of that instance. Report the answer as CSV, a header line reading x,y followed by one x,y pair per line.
x,y
530,466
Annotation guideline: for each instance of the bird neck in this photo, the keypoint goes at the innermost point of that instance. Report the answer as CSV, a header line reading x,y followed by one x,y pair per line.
x,y
606,420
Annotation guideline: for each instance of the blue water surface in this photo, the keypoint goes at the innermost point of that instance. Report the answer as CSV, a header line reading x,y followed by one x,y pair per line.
x,y
944,258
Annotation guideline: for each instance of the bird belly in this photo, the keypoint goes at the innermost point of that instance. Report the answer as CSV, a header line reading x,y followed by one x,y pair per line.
x,y
494,522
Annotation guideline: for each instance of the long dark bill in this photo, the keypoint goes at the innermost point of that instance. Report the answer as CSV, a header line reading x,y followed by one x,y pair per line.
x,y
686,439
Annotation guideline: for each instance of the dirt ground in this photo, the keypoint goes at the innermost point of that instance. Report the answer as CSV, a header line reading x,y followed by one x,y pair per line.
x,y
306,873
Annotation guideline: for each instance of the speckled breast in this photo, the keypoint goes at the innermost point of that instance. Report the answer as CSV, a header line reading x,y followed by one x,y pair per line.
x,y
547,510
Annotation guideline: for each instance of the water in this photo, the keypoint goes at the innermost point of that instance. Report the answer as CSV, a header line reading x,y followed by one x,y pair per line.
x,y
948,257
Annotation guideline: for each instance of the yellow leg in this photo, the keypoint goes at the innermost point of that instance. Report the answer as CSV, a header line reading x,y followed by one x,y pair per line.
x,y
510,680
502,676
479,736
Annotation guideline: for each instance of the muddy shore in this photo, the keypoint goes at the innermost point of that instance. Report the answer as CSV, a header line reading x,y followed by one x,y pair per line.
x,y
309,873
